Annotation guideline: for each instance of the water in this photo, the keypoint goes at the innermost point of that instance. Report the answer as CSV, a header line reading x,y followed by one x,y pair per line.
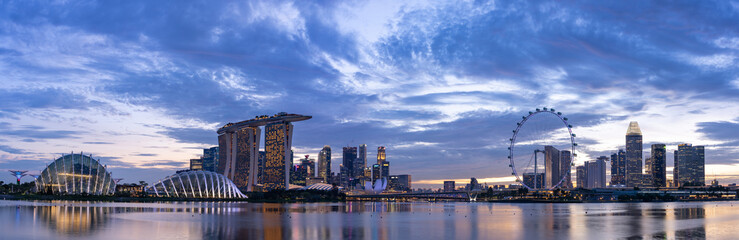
x,y
366,220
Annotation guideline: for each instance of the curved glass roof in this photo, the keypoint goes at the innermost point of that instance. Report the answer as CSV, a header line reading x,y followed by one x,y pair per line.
x,y
75,174
196,184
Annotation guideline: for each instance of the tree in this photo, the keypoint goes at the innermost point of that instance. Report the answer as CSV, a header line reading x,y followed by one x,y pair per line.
x,y
143,183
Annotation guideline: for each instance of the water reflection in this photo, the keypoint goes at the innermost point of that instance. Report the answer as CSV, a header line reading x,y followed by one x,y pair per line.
x,y
366,220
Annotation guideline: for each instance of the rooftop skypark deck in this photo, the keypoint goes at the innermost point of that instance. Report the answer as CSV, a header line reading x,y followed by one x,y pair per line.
x,y
263,120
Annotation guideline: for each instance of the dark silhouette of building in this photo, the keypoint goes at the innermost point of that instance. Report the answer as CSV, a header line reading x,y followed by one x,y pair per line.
x,y
449,186
348,175
210,159
658,165
618,168
552,166
690,165
582,179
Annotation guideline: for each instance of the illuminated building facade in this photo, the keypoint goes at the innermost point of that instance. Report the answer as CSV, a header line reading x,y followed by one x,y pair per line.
x,y
324,164
658,165
690,165
239,151
381,154
196,164
618,168
277,144
633,155
75,174
239,157
534,180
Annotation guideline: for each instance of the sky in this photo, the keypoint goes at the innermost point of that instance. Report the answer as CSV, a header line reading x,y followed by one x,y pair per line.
x,y
143,85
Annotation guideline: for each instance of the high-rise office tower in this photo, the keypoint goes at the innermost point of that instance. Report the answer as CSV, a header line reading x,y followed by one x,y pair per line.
x,y
382,161
376,172
238,155
595,172
277,145
675,169
618,168
361,161
633,155
385,169
552,164
658,168
690,165
380,154
324,164
210,159
565,158
349,157
582,179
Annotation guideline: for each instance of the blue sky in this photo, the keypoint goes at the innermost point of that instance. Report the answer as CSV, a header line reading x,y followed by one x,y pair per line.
x,y
143,85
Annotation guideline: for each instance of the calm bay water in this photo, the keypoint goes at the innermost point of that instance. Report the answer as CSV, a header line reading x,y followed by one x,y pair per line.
x,y
366,220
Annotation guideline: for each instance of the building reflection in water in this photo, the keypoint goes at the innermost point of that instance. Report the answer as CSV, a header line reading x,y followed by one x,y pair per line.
x,y
73,220
367,220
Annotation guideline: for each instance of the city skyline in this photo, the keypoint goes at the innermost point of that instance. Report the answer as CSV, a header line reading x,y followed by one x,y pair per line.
x,y
440,85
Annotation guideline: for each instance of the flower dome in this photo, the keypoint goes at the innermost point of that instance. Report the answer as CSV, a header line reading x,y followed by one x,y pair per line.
x,y
75,174
196,184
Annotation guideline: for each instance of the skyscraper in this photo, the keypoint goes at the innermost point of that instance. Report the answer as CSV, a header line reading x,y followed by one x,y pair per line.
x,y
349,156
658,168
633,155
380,154
376,172
595,172
552,167
382,161
360,162
238,147
210,159
277,145
690,165
564,168
618,168
239,152
324,164
582,179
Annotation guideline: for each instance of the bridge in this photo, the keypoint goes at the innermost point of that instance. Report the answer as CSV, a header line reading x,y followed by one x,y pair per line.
x,y
432,196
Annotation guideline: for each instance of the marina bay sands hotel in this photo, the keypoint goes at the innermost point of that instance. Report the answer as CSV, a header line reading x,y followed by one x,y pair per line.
x,y
239,150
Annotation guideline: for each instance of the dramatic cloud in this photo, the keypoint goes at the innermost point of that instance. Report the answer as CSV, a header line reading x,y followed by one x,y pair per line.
x,y
440,84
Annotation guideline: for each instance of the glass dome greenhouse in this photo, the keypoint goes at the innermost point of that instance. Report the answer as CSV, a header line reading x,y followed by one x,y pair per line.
x,y
75,174
196,184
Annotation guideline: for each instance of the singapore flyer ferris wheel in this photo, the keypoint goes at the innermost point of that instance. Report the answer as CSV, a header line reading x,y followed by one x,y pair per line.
x,y
542,150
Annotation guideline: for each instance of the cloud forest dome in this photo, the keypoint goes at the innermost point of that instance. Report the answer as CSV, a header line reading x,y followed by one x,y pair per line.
x,y
196,184
75,174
